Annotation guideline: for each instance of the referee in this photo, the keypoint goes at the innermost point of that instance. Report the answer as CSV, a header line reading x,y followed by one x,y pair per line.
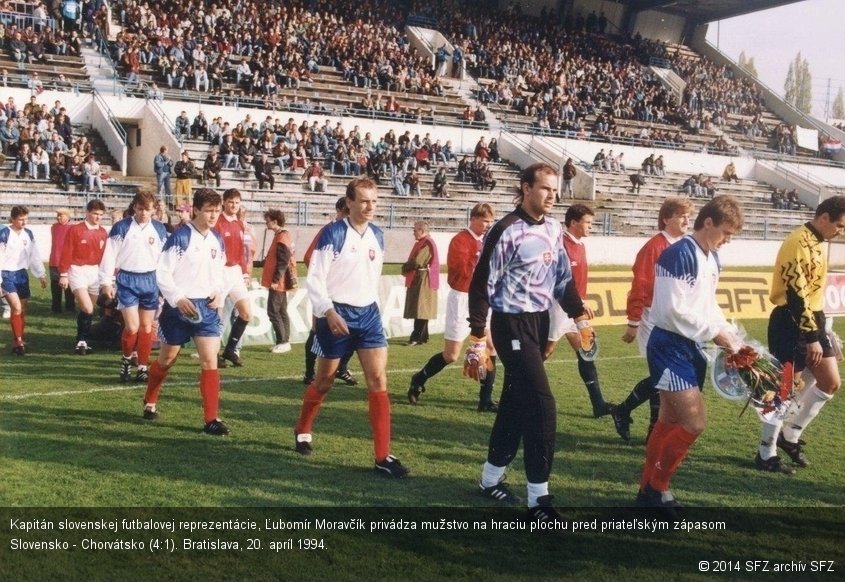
x,y
523,269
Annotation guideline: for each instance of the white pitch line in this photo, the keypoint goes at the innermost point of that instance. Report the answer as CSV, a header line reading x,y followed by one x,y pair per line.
x,y
130,386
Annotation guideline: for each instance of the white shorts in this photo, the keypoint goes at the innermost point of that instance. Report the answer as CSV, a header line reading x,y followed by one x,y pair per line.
x,y
84,277
457,314
234,283
560,324
644,331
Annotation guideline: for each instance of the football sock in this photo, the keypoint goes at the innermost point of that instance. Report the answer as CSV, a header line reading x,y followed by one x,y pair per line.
x,y
654,409
436,363
590,376
491,474
343,366
676,445
380,423
16,321
536,490
210,391
311,401
145,346
810,403
83,326
642,391
310,357
127,343
653,450
238,328
769,439
155,379
485,389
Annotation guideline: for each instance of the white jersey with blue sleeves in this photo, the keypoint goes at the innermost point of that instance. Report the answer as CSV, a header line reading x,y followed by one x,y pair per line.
x,y
685,292
345,267
19,251
191,265
132,247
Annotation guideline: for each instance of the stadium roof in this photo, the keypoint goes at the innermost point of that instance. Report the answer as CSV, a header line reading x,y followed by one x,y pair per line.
x,y
702,11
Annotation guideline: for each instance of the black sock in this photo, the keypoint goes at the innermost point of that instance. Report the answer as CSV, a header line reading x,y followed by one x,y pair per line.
x,y
643,391
238,329
590,376
485,388
654,405
343,367
310,357
83,326
436,363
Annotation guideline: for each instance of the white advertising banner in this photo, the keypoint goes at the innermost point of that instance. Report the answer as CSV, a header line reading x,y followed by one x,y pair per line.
x,y
391,304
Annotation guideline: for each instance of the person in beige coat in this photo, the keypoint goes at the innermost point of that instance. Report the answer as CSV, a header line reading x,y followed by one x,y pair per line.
x,y
422,279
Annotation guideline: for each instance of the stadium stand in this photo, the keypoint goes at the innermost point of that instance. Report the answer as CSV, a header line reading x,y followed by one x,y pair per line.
x,y
343,73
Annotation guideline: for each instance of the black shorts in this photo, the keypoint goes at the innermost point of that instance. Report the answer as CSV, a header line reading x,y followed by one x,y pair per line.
x,y
786,342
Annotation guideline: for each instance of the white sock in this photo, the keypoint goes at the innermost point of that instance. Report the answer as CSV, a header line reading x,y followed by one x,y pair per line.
x,y
491,474
810,404
808,378
536,490
769,439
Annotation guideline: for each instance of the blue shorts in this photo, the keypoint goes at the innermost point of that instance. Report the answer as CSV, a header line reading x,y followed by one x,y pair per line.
x,y
137,289
16,282
365,332
174,329
674,362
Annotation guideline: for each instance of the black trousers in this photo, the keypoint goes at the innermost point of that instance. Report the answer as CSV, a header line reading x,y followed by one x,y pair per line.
x,y
277,313
57,293
420,333
527,410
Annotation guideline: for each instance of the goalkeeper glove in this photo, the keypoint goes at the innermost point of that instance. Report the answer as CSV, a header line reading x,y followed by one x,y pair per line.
x,y
477,360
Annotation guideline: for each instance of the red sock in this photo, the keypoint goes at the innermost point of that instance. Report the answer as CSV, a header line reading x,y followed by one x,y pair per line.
x,y
145,346
653,450
16,321
676,445
127,343
380,423
311,401
155,379
210,390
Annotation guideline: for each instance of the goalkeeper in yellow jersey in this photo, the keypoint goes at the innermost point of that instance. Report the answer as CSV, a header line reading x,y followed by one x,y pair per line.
x,y
522,271
797,335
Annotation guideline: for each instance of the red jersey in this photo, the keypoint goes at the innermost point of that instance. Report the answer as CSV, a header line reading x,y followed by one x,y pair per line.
x,y
273,273
577,253
84,245
232,231
464,250
58,233
642,287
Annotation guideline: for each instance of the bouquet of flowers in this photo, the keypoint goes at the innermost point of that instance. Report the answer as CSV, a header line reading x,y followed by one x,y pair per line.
x,y
754,375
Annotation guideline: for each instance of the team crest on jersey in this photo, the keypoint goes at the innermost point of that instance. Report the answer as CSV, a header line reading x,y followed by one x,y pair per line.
x,y
151,240
372,254
547,258
102,243
213,253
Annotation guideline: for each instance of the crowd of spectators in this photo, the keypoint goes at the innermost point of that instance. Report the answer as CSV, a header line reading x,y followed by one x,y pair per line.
x,y
785,200
260,49
40,139
33,41
317,151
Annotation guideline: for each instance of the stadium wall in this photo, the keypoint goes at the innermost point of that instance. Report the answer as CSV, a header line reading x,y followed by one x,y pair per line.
x,y
601,250
659,26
